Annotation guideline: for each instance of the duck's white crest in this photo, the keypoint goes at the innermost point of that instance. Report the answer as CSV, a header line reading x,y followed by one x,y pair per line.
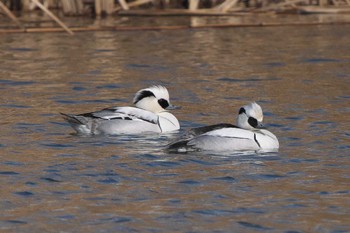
x,y
154,99
250,116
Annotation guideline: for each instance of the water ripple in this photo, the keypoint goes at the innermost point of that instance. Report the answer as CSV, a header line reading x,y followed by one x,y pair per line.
x,y
16,221
57,145
108,180
320,60
49,179
254,226
227,79
9,173
24,193
229,179
116,219
16,83
163,164
14,106
190,182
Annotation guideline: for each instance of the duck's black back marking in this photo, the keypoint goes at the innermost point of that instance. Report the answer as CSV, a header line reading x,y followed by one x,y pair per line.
x,y
205,129
121,118
256,141
143,94
96,115
89,114
241,110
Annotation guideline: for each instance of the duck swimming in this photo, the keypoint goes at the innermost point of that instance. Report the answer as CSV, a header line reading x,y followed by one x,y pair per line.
x,y
248,135
149,115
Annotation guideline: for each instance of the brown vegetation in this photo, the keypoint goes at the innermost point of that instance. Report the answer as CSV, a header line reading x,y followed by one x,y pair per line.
x,y
101,8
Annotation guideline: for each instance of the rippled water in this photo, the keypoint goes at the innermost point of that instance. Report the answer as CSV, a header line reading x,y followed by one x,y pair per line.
x,y
52,180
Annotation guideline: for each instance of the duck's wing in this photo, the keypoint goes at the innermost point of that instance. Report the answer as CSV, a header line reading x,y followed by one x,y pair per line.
x,y
231,132
123,113
205,129
200,135
223,139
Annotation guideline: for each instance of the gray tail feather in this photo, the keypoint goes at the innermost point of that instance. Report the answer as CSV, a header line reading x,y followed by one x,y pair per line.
x,y
180,147
74,119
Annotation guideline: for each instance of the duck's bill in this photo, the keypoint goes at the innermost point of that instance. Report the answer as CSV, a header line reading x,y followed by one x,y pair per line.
x,y
173,107
260,126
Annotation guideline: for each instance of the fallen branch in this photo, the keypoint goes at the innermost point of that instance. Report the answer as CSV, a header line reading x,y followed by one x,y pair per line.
x,y
132,4
280,5
42,7
322,10
226,5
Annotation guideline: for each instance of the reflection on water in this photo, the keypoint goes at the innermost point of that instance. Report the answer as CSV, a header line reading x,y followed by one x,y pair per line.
x,y
51,179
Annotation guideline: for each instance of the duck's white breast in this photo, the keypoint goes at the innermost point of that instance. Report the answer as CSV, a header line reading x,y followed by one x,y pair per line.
x,y
168,122
267,140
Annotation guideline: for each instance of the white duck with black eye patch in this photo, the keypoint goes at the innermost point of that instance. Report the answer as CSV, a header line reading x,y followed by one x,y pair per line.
x,y
248,135
149,115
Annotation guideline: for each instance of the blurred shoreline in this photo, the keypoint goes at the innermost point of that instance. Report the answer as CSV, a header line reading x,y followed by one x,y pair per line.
x,y
179,15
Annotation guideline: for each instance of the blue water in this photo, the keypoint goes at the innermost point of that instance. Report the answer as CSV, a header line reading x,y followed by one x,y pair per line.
x,y
52,180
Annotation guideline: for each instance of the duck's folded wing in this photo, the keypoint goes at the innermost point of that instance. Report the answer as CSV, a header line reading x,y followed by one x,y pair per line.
x,y
233,132
205,129
124,113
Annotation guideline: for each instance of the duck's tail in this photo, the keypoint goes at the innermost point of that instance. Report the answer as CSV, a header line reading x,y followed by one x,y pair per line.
x,y
180,146
79,123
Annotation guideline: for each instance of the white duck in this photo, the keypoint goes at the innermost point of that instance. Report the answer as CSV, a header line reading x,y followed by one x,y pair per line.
x,y
248,135
149,115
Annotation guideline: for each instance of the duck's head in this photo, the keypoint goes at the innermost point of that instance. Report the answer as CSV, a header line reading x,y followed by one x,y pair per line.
x,y
250,116
154,99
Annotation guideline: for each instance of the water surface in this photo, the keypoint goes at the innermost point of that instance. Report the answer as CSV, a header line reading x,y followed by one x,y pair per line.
x,y
52,180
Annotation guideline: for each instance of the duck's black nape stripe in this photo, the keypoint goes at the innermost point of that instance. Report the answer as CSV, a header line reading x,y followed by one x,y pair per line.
x,y
143,94
256,141
241,110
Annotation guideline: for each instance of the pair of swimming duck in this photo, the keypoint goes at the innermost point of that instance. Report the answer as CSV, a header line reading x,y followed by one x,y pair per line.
x,y
150,115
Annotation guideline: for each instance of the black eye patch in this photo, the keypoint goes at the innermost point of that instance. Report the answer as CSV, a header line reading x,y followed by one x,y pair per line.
x,y
143,94
164,103
241,110
253,122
